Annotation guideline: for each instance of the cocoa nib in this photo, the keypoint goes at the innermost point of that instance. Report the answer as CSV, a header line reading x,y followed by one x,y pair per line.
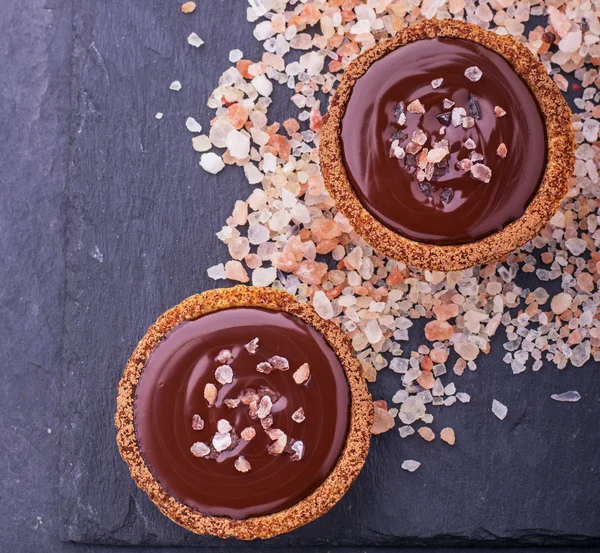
x,y
444,118
473,107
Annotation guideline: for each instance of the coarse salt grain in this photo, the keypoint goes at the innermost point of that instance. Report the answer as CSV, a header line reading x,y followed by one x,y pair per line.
x,y
499,409
410,465
195,40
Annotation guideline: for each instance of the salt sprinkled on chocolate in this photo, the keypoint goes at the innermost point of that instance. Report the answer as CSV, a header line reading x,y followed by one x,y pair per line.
x,y
224,374
298,415
210,393
416,107
473,73
302,374
197,422
200,449
242,464
499,111
252,346
224,356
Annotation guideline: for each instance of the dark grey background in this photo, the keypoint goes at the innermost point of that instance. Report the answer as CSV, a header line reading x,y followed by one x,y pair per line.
x,y
85,168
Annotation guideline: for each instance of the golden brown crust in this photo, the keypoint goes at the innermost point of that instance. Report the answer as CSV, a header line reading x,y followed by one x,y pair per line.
x,y
552,189
317,503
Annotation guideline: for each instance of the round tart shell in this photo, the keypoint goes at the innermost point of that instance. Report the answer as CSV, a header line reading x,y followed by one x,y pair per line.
x,y
319,501
552,189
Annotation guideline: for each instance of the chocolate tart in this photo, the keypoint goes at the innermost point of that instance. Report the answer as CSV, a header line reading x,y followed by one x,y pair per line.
x,y
447,146
182,418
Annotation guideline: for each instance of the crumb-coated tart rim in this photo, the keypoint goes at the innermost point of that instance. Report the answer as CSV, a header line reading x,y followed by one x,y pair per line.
x,y
548,197
316,504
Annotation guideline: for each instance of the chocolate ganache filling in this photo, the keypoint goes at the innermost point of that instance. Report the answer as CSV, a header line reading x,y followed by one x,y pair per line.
x,y
242,412
443,142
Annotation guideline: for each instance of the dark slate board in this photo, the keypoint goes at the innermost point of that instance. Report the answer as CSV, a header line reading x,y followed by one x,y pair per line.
x,y
142,219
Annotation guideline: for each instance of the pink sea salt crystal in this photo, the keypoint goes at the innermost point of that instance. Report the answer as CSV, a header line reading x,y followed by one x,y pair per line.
x,y
234,270
383,420
224,374
560,303
502,150
301,375
239,247
445,311
473,73
240,213
298,415
325,229
224,356
311,272
438,330
242,464
560,21
499,111
200,449
481,172
322,305
416,107
467,350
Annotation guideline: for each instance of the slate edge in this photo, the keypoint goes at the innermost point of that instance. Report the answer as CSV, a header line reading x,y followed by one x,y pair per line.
x,y
551,192
317,503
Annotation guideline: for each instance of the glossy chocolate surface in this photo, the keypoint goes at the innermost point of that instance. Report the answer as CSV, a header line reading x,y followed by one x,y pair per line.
x,y
171,391
391,192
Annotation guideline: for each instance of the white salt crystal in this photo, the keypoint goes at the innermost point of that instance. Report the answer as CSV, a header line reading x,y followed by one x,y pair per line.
x,y
264,276
262,85
211,163
195,40
216,272
159,115
410,465
192,125
473,73
576,245
175,85
235,55
322,305
257,234
238,144
571,396
406,431
201,143
499,409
